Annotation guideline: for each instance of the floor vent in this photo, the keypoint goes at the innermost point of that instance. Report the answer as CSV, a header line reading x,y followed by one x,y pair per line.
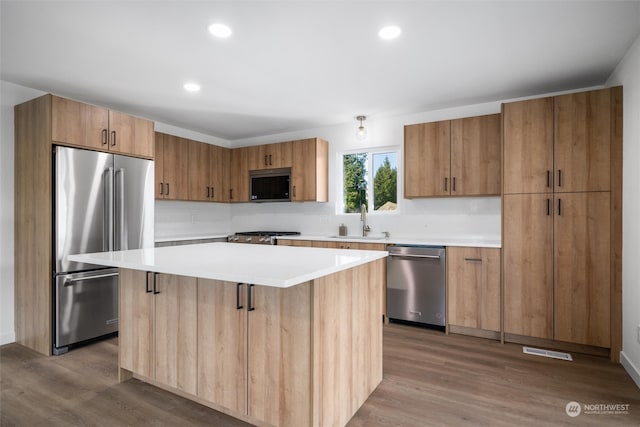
x,y
547,353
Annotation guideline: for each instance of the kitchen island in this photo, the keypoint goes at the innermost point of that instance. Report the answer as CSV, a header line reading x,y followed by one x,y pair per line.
x,y
272,335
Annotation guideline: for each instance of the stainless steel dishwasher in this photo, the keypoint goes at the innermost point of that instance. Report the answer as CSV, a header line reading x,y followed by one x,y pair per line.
x,y
416,284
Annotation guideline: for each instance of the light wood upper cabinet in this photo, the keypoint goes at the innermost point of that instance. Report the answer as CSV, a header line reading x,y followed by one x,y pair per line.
x,y
473,281
220,161
171,167
427,159
239,175
199,171
310,171
130,135
270,156
208,172
528,146
475,156
79,124
528,264
559,144
582,267
84,125
582,141
453,158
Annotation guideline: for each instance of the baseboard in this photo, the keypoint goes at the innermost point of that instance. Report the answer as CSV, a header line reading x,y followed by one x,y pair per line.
x,y
631,369
7,338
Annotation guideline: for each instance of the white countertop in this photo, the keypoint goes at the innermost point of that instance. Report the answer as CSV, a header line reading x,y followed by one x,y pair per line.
x,y
476,242
276,266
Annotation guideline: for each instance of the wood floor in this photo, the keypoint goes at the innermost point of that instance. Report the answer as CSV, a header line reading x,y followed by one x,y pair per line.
x,y
429,379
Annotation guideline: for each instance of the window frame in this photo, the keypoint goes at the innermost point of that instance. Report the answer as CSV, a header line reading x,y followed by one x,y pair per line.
x,y
370,177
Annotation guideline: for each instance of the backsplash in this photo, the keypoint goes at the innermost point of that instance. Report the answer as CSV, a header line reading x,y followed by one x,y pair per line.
x,y
468,217
186,219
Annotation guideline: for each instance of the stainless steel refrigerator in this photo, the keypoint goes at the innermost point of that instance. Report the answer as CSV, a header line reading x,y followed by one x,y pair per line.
x,y
103,202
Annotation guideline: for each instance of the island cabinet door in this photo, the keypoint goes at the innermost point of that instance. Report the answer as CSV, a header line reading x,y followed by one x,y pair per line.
x,y
279,355
175,331
222,348
136,322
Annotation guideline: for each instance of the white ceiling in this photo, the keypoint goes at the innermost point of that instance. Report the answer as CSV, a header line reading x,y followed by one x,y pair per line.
x,y
293,65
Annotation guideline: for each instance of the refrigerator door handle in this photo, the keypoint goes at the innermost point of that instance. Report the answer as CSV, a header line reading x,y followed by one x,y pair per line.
x,y
108,207
121,243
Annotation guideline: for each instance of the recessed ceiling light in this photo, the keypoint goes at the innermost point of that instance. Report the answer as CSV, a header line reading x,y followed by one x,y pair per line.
x,y
220,30
389,32
191,87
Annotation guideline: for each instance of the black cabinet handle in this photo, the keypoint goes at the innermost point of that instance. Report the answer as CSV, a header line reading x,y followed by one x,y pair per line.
x,y
208,193
146,285
249,299
453,184
446,181
155,284
559,207
473,259
239,306
113,141
105,136
266,163
231,194
270,163
213,192
559,177
294,191
167,184
548,207
548,179
161,188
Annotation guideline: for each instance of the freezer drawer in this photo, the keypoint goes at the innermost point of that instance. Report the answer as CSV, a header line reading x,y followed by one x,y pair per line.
x,y
86,306
416,284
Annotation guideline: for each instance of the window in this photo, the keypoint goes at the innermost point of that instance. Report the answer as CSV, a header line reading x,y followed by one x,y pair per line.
x,y
362,169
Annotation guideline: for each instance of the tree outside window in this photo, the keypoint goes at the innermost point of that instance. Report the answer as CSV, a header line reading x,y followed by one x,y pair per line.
x,y
360,169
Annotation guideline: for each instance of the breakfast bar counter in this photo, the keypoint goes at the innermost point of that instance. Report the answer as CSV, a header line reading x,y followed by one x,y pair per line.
x,y
272,335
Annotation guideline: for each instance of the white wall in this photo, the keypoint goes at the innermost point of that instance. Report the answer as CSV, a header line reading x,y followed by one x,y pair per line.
x,y
10,95
628,74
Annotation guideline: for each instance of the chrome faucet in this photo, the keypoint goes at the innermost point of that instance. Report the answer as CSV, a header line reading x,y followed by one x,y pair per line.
x,y
363,218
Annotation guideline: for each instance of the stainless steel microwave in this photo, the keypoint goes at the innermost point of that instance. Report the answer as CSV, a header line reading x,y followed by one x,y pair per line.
x,y
270,185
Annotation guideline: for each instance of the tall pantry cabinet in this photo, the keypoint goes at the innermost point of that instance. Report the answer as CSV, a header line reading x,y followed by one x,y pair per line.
x,y
562,186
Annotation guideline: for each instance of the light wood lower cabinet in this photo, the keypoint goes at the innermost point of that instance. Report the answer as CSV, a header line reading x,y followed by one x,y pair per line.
x,y
473,281
176,342
136,323
582,286
308,355
557,266
333,244
222,344
157,327
528,264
